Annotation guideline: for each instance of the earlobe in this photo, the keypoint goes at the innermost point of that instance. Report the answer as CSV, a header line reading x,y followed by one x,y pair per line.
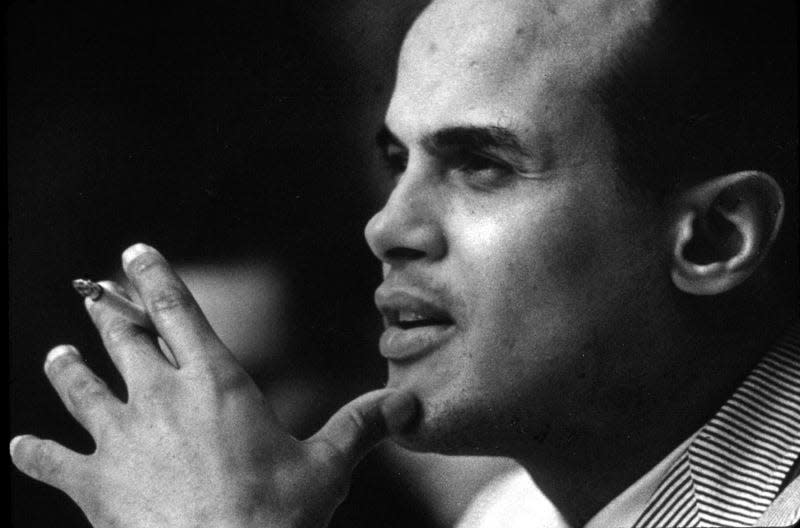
x,y
722,229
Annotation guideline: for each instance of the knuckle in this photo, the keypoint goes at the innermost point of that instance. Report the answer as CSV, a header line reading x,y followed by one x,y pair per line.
x,y
43,461
155,394
86,390
170,298
330,455
356,417
231,379
119,331
222,378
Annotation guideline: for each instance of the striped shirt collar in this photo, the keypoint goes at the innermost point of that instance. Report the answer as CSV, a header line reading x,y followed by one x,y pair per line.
x,y
735,466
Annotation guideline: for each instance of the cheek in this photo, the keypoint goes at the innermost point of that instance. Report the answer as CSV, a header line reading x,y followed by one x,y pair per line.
x,y
566,250
525,258
482,236
532,282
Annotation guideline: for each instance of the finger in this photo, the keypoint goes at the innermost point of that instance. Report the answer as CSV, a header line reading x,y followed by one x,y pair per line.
x,y
358,426
116,288
86,396
132,349
46,461
172,308
166,353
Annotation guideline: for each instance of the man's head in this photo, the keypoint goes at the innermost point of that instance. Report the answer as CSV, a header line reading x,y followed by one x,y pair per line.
x,y
533,294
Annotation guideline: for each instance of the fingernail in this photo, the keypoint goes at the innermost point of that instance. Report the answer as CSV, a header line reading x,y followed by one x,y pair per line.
x,y
57,352
134,251
13,444
400,410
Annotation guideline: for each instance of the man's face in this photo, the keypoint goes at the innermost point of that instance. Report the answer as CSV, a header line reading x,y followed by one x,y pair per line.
x,y
513,259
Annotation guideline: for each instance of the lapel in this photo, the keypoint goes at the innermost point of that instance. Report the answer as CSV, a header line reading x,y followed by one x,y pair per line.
x,y
734,468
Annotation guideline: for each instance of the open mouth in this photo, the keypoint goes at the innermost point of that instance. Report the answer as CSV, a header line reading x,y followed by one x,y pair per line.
x,y
409,319
415,326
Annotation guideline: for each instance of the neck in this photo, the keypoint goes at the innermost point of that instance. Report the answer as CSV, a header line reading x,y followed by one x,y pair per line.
x,y
582,485
583,470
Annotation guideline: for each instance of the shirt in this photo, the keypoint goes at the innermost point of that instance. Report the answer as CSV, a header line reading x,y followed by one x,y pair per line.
x,y
727,473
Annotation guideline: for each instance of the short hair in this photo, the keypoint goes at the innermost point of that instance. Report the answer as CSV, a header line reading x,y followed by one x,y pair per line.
x,y
709,88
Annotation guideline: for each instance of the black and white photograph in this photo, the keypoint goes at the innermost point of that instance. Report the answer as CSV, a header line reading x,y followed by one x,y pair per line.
x,y
422,263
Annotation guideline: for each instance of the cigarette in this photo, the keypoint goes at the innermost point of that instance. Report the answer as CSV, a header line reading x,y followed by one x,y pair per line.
x,y
134,313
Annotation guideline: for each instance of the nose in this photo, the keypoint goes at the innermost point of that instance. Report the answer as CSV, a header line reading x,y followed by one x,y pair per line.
x,y
409,226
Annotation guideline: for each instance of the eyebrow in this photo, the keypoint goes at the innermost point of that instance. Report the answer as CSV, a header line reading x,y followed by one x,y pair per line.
x,y
477,138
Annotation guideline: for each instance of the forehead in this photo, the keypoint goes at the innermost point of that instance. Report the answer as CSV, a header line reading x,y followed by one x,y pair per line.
x,y
490,60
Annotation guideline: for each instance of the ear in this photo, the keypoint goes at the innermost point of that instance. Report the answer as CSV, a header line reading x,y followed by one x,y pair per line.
x,y
722,228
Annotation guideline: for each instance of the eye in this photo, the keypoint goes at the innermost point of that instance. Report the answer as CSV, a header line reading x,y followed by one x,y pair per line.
x,y
395,159
484,172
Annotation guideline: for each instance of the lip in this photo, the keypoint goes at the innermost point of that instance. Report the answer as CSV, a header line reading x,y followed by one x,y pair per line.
x,y
400,344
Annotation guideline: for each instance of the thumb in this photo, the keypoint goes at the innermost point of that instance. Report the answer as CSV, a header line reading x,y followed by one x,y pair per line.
x,y
358,426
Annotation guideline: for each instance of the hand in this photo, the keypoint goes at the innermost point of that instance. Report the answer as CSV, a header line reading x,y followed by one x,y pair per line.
x,y
196,445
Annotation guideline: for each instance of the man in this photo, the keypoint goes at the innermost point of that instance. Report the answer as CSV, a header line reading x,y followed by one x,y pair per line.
x,y
575,276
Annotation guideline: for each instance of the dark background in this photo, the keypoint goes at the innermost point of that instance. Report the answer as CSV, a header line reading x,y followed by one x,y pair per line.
x,y
208,131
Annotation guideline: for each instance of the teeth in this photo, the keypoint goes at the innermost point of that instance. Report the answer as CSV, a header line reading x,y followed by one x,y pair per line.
x,y
409,317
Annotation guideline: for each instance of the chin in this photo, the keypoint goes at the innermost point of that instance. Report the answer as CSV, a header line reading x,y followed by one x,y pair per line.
x,y
427,438
459,428
461,414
